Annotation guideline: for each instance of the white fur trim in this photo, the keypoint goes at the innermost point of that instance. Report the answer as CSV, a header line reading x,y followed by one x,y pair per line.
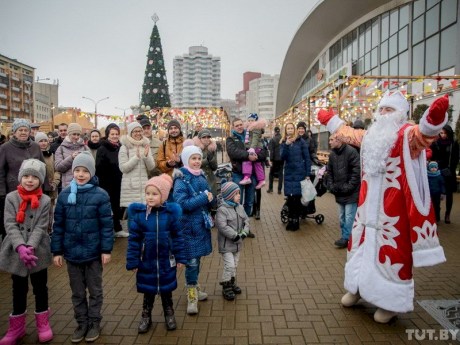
x,y
334,123
428,257
427,128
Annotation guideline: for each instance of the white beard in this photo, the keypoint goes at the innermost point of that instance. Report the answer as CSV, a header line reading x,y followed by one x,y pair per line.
x,y
379,140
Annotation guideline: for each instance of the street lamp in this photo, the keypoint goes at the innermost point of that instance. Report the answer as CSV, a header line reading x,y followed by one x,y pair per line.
x,y
95,107
124,115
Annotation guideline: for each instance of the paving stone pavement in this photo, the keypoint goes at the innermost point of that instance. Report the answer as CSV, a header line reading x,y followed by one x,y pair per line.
x,y
292,283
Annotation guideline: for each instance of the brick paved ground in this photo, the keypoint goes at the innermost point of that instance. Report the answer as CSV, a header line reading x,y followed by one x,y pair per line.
x,y
292,285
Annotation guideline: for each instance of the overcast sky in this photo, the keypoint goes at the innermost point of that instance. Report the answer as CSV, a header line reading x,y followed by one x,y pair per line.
x,y
97,48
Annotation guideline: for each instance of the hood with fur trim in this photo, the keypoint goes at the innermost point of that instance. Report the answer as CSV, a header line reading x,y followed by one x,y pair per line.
x,y
259,124
212,147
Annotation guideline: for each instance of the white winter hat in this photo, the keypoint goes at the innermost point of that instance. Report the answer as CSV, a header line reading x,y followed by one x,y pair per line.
x,y
395,100
188,151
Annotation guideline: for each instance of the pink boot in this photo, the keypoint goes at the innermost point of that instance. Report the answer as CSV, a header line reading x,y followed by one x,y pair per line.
x,y
246,180
44,331
16,330
260,184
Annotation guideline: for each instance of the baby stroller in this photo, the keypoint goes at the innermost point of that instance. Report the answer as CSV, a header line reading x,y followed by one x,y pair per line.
x,y
224,170
310,210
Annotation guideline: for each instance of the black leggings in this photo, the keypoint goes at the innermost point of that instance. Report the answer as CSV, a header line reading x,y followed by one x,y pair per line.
x,y
294,204
39,282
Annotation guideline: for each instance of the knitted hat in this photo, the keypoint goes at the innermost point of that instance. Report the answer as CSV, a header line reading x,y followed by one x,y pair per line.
x,y
85,159
204,133
132,126
187,152
33,167
20,123
73,128
39,136
109,127
141,117
228,189
358,124
395,100
163,183
253,116
174,123
145,122
34,125
302,124
277,129
433,164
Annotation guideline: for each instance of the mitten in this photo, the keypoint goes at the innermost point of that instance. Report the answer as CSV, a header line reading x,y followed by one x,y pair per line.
x,y
324,116
26,256
243,234
438,109
236,238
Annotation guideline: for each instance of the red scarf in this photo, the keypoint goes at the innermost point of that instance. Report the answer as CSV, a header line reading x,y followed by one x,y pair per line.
x,y
26,196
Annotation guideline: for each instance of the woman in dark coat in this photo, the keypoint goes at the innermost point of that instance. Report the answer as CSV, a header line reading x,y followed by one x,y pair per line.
x,y
446,153
297,167
109,174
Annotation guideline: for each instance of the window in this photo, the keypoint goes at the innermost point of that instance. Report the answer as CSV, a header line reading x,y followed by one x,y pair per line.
x,y
448,12
403,39
418,59
448,49
394,22
384,68
393,46
432,21
374,58
403,16
431,3
404,63
418,8
432,55
384,51
385,26
418,32
375,33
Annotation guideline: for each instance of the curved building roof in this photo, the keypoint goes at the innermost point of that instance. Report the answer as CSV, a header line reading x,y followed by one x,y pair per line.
x,y
324,22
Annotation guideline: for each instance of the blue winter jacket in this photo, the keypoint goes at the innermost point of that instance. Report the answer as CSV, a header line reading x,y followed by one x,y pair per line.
x,y
297,165
152,240
193,204
84,231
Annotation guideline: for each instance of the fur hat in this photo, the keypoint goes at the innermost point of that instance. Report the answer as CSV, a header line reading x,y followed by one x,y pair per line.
x,y
228,189
85,159
163,183
132,126
73,128
174,122
20,123
204,133
253,116
33,167
39,136
395,100
109,127
187,152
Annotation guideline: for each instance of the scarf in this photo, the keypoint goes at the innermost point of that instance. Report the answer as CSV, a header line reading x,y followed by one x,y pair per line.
x,y
231,203
240,136
196,172
135,142
93,146
26,196
436,173
74,187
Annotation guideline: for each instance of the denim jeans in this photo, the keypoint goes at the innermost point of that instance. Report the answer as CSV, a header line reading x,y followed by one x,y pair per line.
x,y
192,271
247,192
347,214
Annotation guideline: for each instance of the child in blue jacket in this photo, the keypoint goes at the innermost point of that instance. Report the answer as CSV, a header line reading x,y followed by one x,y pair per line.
x,y
437,187
83,236
155,248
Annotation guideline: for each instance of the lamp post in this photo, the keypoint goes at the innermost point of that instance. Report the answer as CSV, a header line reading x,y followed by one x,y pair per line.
x,y
95,107
124,115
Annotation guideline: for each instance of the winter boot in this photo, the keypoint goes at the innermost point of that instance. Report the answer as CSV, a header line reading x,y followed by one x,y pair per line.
x,y
295,224
350,299
16,330
384,316
44,331
146,318
227,290
289,225
236,289
168,310
192,300
201,294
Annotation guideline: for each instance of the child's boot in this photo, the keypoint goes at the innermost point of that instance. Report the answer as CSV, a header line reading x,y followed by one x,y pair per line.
x,y
192,300
236,289
44,330
246,180
146,318
170,319
260,184
16,330
201,294
227,290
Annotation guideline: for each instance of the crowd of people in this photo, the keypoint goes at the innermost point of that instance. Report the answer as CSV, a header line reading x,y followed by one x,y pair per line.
x,y
65,198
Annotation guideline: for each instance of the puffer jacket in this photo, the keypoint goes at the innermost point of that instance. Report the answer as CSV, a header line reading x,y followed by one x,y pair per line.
x,y
170,146
237,152
84,231
209,163
274,147
297,166
153,238
344,174
193,204
53,176
63,158
230,220
33,232
135,171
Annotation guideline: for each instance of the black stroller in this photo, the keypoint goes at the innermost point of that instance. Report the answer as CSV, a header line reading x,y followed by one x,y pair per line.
x,y
310,210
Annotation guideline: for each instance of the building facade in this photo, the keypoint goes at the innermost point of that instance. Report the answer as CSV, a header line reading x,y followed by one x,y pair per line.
x,y
46,100
261,96
16,90
229,105
240,97
372,38
196,79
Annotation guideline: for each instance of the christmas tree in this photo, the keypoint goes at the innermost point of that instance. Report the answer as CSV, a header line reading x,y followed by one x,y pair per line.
x,y
155,91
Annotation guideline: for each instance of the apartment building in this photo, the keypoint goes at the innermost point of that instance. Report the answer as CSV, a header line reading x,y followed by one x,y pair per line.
x,y
261,96
45,100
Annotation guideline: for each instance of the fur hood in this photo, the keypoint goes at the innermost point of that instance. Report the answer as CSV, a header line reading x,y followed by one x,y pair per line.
x,y
212,147
125,141
259,124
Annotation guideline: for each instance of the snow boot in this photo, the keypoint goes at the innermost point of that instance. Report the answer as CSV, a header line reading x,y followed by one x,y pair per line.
x,y
192,300
227,290
16,330
236,289
45,333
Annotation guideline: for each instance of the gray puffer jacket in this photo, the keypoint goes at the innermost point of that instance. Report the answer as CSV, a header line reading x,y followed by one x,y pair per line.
x,y
63,159
33,232
229,221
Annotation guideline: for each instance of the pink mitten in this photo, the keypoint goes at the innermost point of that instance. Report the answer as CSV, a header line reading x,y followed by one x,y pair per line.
x,y
438,109
26,256
324,116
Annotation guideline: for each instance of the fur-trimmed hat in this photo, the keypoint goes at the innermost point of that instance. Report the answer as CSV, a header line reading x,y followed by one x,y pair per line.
x,y
163,183
132,126
229,189
39,136
395,100
85,159
74,128
253,116
20,123
33,167
188,151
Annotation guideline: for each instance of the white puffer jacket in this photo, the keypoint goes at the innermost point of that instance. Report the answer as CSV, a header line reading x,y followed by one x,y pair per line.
x,y
135,170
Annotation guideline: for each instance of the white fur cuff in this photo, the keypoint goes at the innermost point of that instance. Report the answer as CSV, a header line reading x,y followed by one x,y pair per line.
x,y
427,128
334,123
428,257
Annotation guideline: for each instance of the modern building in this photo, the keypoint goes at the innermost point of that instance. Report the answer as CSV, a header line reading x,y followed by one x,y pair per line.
x,y
46,100
230,107
16,90
240,97
261,96
372,38
196,79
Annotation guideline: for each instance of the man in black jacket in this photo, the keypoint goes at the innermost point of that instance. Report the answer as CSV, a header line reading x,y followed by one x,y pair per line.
x,y
274,147
62,128
343,180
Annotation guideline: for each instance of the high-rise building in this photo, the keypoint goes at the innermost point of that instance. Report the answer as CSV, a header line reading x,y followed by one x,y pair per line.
x,y
240,97
45,100
196,79
261,96
16,90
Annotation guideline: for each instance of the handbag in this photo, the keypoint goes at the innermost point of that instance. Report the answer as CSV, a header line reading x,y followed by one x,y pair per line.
x,y
308,191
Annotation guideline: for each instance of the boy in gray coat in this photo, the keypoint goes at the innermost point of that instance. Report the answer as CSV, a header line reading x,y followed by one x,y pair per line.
x,y
233,227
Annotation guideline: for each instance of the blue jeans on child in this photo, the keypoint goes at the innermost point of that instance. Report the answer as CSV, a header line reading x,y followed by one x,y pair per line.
x,y
192,271
347,214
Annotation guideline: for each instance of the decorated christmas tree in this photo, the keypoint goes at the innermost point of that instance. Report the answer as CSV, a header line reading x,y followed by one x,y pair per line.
x,y
155,91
